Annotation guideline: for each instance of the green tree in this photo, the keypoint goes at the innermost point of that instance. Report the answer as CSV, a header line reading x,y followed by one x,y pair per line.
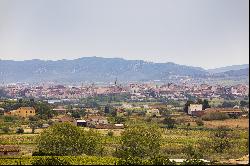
x,y
75,114
164,111
199,101
228,104
106,109
192,152
119,119
92,142
110,133
205,104
187,105
215,116
187,128
33,118
140,140
170,122
64,139
33,125
244,103
92,104
44,110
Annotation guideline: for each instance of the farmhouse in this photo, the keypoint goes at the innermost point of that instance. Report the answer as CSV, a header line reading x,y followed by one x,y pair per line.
x,y
22,112
194,108
96,120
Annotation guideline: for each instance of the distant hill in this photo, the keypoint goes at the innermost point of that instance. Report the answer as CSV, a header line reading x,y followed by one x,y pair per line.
x,y
228,68
234,73
106,70
92,69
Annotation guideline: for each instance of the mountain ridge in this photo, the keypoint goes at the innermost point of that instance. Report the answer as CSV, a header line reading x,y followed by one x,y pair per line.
x,y
228,68
94,69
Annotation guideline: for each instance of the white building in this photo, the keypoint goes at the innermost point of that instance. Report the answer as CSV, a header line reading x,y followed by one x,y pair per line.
x,y
194,107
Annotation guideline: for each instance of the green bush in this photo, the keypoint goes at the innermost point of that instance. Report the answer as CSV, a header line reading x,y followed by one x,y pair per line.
x,y
10,118
20,130
140,140
170,122
192,152
59,160
49,161
131,161
199,122
193,162
6,129
159,160
64,139
110,133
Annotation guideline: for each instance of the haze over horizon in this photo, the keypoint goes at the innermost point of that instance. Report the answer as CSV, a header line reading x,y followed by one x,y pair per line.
x,y
207,33
121,58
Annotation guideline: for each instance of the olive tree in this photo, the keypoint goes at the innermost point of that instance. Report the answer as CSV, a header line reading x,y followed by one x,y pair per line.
x,y
140,140
66,139
221,139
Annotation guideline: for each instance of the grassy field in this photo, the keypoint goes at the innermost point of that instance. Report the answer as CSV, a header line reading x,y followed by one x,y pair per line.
x,y
232,123
242,123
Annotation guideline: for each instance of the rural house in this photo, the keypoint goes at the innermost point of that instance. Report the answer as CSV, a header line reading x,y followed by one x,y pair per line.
x,y
195,109
22,112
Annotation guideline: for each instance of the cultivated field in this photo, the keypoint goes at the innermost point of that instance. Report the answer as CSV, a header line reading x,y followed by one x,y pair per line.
x,y
232,123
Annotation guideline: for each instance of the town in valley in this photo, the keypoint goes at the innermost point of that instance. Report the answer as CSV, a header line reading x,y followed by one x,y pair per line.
x,y
181,109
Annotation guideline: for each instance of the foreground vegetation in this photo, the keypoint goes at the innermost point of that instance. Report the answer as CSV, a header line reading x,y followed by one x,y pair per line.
x,y
147,140
131,146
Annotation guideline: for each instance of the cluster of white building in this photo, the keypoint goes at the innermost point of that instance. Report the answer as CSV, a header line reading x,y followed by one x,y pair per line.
x,y
136,91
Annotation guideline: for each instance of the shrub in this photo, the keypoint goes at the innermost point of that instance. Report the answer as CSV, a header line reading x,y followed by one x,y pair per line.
x,y
221,139
192,152
193,162
170,122
159,160
110,133
199,122
19,130
6,129
131,161
49,161
10,118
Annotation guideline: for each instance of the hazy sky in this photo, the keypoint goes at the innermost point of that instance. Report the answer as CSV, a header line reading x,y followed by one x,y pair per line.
x,y
205,33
